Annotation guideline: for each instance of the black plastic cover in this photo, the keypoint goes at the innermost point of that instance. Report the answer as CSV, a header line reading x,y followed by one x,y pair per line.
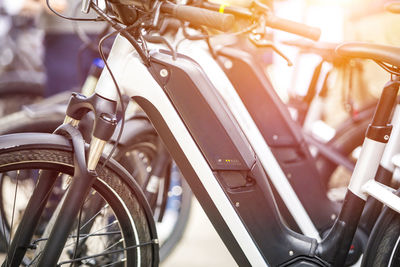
x,y
205,115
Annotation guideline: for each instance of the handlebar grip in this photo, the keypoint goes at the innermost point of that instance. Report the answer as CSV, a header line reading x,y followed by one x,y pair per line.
x,y
393,7
200,16
301,29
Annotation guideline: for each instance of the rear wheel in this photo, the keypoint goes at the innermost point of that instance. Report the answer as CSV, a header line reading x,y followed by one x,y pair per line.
x,y
117,233
336,178
15,94
171,210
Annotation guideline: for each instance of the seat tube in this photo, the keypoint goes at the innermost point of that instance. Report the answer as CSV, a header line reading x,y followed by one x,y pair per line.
x,y
393,145
377,136
384,173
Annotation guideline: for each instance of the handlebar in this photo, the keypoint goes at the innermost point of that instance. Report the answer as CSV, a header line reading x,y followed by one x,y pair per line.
x,y
301,29
393,7
272,21
199,16
224,21
236,11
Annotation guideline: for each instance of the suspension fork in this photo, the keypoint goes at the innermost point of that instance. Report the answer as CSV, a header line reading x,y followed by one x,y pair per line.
x,y
84,172
334,248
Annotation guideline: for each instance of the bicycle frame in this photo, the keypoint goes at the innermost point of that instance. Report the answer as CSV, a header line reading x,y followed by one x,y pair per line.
x,y
220,165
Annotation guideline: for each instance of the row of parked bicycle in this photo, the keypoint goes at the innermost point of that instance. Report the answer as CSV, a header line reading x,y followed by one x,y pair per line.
x,y
174,110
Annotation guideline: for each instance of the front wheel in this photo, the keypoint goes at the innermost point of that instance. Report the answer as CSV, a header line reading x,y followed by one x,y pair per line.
x,y
116,233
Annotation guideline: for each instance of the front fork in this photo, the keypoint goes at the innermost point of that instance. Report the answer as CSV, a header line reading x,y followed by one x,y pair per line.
x,y
84,174
334,248
104,125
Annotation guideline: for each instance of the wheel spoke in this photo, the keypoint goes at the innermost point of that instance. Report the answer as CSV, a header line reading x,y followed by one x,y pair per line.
x,y
113,245
14,202
77,234
93,234
13,211
6,236
34,259
94,216
108,253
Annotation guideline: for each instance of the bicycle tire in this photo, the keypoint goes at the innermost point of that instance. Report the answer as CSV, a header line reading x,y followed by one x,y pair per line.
x,y
383,247
345,142
138,141
10,103
169,245
21,87
21,122
15,94
146,144
114,185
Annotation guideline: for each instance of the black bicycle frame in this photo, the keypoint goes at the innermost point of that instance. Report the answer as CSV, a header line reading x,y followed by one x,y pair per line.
x,y
237,169
282,134
230,157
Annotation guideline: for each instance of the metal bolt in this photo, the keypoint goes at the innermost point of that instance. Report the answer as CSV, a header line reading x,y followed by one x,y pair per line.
x,y
289,175
386,137
80,96
163,73
228,64
333,217
275,137
237,204
291,253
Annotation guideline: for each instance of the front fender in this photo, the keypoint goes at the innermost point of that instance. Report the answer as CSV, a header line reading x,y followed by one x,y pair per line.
x,y
18,141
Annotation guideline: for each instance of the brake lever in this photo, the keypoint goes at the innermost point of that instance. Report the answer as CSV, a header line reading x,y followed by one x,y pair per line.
x,y
258,41
156,17
261,6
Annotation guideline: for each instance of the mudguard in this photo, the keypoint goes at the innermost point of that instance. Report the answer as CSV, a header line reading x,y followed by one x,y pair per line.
x,y
52,141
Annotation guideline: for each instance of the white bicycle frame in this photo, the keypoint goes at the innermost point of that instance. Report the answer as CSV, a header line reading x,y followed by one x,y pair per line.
x,y
135,80
124,62
362,181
